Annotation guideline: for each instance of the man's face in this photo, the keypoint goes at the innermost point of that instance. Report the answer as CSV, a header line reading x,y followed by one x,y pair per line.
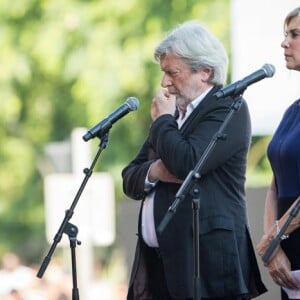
x,y
180,81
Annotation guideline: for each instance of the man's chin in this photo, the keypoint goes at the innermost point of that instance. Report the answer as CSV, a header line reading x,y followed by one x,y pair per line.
x,y
181,101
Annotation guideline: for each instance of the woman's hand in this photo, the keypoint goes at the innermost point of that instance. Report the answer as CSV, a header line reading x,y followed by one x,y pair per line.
x,y
280,270
265,242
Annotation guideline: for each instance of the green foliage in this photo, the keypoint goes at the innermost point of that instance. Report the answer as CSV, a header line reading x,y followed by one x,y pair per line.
x,y
67,64
259,171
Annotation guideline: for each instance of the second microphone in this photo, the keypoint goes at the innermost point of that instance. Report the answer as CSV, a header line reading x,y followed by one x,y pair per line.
x,y
103,126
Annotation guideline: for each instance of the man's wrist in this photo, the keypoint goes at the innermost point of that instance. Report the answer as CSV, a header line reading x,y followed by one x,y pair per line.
x,y
149,182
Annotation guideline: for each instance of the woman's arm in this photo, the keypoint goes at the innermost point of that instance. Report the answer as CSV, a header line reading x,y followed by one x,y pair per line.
x,y
271,225
278,265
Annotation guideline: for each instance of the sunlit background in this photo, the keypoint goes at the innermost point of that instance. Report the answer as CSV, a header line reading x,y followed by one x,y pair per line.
x,y
65,65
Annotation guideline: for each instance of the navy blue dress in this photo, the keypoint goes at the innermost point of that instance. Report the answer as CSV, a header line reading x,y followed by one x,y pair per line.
x,y
284,156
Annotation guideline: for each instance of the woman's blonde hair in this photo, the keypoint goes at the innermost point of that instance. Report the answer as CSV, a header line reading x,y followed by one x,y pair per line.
x,y
293,14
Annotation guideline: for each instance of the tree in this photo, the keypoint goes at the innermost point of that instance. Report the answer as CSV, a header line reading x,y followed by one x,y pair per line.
x,y
67,64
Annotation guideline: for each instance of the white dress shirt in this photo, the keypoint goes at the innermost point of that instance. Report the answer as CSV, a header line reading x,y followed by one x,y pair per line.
x,y
148,226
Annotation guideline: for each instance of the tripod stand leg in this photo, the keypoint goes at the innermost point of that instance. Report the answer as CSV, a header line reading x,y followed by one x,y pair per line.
x,y
72,231
197,288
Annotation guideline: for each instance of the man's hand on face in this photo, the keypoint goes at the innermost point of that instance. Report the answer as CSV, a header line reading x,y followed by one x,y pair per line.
x,y
163,103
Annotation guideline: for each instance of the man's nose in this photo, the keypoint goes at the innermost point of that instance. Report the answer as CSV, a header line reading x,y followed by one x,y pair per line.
x,y
166,81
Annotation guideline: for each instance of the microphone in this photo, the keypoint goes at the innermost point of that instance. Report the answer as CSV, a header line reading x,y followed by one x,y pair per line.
x,y
103,126
238,87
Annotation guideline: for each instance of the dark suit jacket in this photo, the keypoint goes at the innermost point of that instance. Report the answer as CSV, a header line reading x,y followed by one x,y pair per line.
x,y
227,261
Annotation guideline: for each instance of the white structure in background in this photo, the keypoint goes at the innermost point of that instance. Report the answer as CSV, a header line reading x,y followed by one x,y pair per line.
x,y
256,35
94,214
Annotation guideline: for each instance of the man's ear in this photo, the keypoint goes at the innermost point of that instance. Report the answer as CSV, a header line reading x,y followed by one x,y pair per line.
x,y
206,74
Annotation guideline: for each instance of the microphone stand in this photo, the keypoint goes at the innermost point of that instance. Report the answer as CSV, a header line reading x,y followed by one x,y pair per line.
x,y
70,229
279,237
191,185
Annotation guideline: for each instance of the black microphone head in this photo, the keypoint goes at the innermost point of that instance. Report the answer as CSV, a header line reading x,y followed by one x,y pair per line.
x,y
133,103
269,70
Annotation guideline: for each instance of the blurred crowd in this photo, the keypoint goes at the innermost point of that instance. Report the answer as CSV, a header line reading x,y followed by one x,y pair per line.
x,y
19,282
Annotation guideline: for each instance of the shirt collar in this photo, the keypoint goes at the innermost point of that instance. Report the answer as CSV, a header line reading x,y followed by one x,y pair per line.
x,y
196,101
191,106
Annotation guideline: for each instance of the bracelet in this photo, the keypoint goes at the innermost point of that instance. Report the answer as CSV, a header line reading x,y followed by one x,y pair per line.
x,y
284,236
